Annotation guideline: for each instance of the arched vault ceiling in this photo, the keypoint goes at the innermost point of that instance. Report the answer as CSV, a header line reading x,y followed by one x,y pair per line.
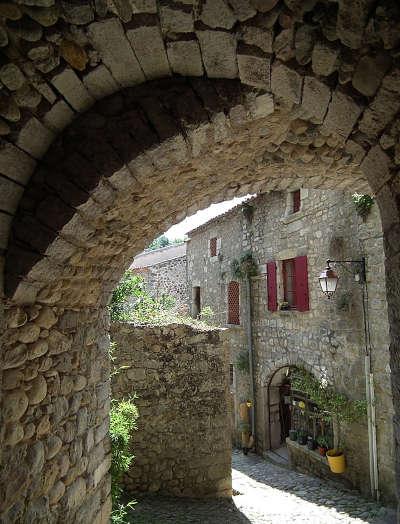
x,y
314,103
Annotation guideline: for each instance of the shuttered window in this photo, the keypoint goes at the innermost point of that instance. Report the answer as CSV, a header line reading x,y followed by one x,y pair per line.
x,y
295,284
301,283
289,282
271,286
213,247
233,303
296,201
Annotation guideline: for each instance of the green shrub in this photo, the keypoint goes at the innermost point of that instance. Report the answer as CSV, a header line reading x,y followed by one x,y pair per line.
x,y
242,362
123,416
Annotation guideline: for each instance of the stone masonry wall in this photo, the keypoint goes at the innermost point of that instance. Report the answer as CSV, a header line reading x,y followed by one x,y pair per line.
x,y
180,374
167,278
54,446
328,339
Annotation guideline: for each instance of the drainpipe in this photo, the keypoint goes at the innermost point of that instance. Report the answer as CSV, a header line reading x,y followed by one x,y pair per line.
x,y
249,330
370,394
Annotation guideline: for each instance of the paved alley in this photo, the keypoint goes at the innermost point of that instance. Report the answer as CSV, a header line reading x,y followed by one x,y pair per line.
x,y
267,494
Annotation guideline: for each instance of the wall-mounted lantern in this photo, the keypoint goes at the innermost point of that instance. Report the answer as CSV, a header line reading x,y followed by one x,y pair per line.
x,y
328,278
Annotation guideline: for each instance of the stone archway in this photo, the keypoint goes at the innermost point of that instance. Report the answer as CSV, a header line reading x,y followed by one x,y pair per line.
x,y
319,110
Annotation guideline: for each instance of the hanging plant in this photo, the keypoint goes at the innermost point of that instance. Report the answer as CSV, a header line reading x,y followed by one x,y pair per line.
x,y
363,204
248,211
242,362
244,267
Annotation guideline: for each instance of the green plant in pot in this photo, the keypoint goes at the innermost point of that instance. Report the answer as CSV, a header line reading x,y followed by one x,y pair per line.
x,y
311,443
334,406
323,445
302,437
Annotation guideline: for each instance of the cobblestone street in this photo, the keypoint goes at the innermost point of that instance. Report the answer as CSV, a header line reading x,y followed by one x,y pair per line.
x,y
267,494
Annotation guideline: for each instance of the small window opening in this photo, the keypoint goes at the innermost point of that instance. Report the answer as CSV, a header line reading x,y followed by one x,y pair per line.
x,y
289,282
296,201
213,247
196,305
233,303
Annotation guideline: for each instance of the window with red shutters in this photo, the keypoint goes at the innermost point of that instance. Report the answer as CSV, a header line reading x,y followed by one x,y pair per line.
x,y
213,247
301,283
271,286
289,282
233,303
295,283
296,201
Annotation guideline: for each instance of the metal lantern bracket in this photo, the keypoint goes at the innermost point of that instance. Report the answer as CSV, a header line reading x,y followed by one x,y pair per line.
x,y
360,263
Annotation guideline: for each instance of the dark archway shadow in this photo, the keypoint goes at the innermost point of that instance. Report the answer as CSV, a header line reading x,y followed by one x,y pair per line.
x,y
159,509
350,503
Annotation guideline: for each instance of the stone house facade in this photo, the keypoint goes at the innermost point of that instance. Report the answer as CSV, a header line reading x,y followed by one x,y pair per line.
x,y
290,236
164,273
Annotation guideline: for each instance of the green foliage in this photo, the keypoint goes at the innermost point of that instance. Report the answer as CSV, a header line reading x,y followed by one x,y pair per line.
x,y
120,512
328,400
163,241
131,302
130,286
207,315
242,362
248,211
363,204
123,416
244,267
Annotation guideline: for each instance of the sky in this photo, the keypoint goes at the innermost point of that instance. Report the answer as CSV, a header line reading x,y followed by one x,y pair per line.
x,y
202,216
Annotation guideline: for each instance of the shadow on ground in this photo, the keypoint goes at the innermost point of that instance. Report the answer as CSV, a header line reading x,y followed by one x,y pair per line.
x,y
157,509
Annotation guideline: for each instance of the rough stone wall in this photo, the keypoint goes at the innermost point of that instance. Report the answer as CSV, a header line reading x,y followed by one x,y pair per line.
x,y
180,374
167,278
328,339
55,451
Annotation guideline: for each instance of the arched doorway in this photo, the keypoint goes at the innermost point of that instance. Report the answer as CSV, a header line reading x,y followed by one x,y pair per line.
x,y
279,413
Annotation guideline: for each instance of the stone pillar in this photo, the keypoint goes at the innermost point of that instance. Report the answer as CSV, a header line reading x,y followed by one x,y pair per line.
x,y
55,404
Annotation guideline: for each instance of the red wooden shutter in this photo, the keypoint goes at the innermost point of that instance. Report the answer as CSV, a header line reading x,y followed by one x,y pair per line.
x,y
301,283
213,247
271,287
233,303
296,201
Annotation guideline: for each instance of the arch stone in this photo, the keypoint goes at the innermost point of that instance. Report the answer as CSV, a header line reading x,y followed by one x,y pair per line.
x,y
106,141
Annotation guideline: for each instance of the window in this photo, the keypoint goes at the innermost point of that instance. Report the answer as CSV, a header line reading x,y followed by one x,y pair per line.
x,y
296,201
233,303
196,304
293,284
213,247
289,283
231,374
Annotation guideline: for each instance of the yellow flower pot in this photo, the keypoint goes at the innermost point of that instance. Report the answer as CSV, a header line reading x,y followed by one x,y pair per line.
x,y
336,461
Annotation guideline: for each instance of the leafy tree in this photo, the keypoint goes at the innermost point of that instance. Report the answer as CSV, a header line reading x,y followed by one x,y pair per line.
x,y
163,241
130,286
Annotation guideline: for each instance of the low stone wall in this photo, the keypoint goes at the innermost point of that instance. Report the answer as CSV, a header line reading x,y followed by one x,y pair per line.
x,y
306,461
180,374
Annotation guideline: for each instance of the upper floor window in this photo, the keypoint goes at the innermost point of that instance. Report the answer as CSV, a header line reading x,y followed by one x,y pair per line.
x,y
289,284
296,200
233,303
213,247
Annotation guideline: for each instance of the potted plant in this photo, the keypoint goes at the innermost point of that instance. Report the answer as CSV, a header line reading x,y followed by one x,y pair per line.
x,y
302,437
335,407
293,434
284,306
311,444
323,445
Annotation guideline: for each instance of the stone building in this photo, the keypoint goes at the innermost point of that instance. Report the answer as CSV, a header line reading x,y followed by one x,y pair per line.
x,y
164,272
290,236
